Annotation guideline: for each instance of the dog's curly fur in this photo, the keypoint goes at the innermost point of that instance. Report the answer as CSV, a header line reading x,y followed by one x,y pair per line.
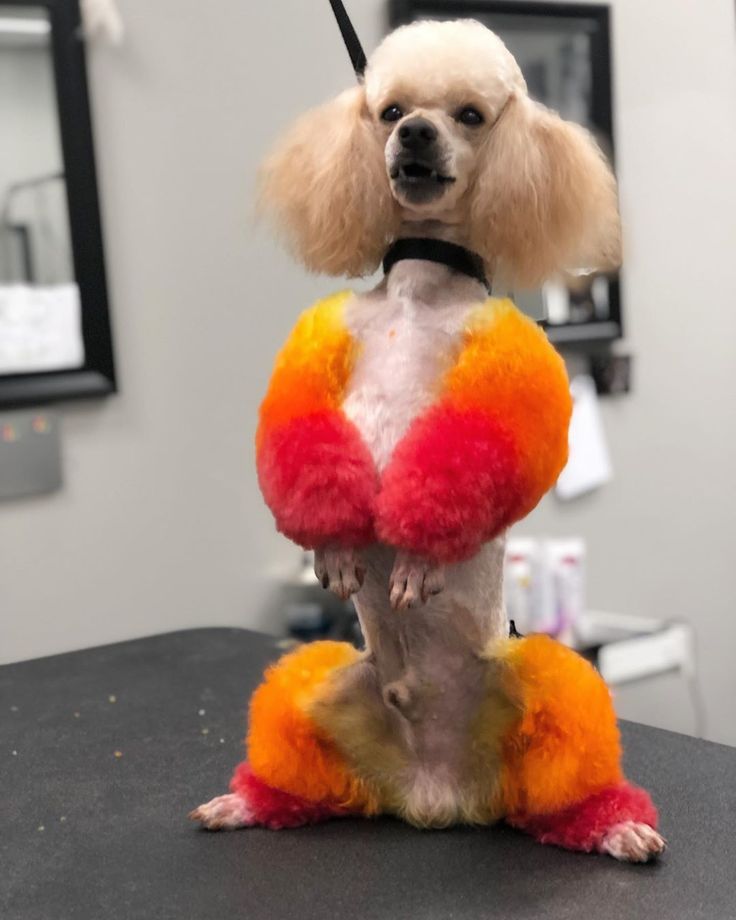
x,y
533,193
403,431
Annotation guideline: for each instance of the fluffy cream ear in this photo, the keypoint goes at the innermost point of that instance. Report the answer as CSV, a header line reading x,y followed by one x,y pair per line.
x,y
326,186
545,198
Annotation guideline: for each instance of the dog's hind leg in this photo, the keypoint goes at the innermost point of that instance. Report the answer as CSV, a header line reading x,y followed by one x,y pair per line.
x,y
619,821
294,772
563,782
225,813
252,803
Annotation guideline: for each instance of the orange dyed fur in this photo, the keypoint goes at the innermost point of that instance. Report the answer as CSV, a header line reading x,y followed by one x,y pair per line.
x,y
286,750
312,369
566,745
506,368
563,747
509,370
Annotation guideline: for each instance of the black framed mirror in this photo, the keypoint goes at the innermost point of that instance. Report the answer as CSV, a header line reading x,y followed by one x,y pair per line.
x,y
564,51
55,336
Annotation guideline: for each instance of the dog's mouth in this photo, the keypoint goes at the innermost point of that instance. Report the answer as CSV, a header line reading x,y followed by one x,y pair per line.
x,y
418,181
416,172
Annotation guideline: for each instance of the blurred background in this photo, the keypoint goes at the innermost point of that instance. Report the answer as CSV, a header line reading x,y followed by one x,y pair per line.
x,y
157,523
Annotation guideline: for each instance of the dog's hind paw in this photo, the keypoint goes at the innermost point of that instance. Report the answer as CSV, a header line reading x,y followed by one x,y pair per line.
x,y
224,813
632,841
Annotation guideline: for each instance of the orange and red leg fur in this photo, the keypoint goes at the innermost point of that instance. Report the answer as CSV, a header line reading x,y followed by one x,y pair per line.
x,y
563,787
562,776
275,809
294,773
253,803
601,823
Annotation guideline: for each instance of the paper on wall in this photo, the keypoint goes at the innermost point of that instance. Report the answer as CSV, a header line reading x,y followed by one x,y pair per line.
x,y
589,463
40,328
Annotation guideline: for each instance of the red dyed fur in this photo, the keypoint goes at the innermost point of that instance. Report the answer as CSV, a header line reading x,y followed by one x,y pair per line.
x,y
275,809
583,826
319,480
452,484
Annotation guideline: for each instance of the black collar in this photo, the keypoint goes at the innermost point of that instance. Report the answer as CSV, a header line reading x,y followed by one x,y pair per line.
x,y
456,257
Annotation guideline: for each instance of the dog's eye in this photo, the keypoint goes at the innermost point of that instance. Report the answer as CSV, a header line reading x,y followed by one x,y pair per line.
x,y
392,113
469,116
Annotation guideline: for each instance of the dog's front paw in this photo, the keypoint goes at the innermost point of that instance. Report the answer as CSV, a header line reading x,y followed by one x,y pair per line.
x,y
413,580
632,841
224,813
339,569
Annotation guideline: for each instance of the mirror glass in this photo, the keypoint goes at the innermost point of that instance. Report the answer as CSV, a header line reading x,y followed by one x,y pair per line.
x,y
40,312
555,56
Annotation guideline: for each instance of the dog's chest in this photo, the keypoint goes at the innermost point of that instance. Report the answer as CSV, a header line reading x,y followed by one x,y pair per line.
x,y
404,349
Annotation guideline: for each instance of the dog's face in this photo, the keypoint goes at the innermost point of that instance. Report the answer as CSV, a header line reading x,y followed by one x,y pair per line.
x,y
430,154
442,129
432,129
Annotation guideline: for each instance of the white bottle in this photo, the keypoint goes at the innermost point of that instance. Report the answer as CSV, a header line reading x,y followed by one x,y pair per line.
x,y
518,581
565,562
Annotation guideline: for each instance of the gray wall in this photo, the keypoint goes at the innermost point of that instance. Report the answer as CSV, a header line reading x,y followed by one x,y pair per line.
x,y
161,526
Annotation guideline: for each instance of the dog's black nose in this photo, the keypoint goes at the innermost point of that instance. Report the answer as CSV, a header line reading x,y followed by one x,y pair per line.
x,y
417,134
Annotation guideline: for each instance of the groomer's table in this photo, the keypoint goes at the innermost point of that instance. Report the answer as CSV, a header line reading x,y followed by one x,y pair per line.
x,y
104,752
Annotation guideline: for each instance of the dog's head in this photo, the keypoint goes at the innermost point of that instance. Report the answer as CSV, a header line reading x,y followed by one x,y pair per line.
x,y
442,129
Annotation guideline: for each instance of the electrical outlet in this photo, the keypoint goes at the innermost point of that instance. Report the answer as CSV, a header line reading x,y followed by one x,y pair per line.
x,y
30,453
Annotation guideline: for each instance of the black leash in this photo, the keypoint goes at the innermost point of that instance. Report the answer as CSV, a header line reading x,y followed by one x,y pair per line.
x,y
349,36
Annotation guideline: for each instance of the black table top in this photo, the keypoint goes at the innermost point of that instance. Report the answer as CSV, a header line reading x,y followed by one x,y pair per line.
x,y
104,751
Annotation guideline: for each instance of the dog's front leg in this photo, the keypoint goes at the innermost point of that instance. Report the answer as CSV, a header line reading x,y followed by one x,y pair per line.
x,y
413,580
339,569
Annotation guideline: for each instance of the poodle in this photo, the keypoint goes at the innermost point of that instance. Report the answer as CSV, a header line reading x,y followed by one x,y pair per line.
x,y
404,430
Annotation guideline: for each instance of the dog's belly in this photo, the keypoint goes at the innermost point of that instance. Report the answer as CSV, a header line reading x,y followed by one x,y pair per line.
x,y
426,687
412,716
421,689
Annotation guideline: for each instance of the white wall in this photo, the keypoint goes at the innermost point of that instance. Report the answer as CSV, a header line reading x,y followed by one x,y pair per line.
x,y
160,524
660,536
